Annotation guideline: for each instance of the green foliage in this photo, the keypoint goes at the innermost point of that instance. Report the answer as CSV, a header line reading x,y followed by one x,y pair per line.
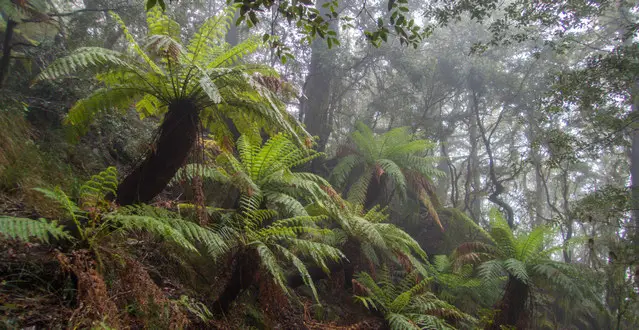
x,y
207,72
522,256
265,173
94,191
29,229
169,226
375,237
312,24
407,303
271,221
395,155
199,309
277,241
96,220
459,286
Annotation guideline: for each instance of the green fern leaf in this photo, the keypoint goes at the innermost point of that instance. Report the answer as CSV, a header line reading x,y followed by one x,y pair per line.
x,y
29,229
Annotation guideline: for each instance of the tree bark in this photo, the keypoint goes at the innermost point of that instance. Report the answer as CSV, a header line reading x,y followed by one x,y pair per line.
x,y
473,184
511,309
536,160
316,107
6,51
243,276
177,136
498,186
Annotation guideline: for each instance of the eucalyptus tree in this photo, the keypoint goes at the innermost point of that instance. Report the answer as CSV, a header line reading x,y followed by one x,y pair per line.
x,y
192,86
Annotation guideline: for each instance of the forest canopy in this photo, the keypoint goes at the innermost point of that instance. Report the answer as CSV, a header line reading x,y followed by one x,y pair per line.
x,y
321,164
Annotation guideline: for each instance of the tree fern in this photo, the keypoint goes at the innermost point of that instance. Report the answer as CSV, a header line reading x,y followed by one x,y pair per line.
x,y
264,172
522,260
377,239
277,242
202,83
395,155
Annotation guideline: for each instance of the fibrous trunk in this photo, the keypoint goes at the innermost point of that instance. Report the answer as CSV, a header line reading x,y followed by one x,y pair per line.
x,y
241,279
511,309
374,193
177,135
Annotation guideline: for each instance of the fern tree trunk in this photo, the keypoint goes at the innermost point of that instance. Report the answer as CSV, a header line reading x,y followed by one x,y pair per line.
x,y
177,135
244,273
511,309
374,193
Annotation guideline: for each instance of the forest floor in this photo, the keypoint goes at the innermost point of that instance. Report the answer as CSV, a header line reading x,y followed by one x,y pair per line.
x,y
43,288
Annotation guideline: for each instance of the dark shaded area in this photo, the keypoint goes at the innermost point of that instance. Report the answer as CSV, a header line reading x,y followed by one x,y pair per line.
x,y
511,309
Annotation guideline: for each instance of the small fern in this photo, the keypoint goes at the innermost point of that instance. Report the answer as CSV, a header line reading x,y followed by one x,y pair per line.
x,y
94,191
406,303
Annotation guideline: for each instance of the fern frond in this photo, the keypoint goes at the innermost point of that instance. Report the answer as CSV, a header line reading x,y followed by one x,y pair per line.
x,y
394,172
320,253
236,53
407,303
502,234
82,59
517,269
159,23
491,270
152,225
93,192
301,269
85,110
206,41
135,46
28,229
285,203
357,192
61,198
529,245
211,173
270,263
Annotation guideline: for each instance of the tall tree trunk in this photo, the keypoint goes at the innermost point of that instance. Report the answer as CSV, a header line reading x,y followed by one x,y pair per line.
x,y
568,218
538,202
473,180
443,165
511,309
316,107
6,51
177,136
634,173
241,279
